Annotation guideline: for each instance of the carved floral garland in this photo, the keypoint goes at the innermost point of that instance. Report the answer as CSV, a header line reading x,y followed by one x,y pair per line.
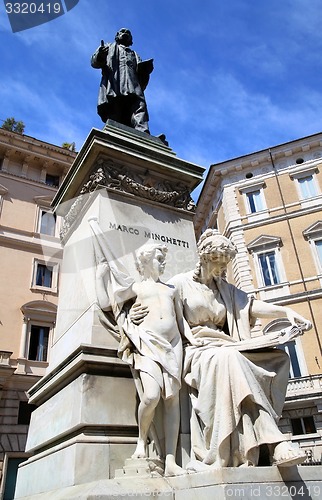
x,y
106,174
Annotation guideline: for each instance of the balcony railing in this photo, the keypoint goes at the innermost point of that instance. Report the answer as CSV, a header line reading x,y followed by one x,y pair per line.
x,y
5,358
304,386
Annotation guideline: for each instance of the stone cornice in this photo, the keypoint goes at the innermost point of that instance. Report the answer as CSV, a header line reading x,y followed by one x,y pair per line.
x,y
143,155
29,145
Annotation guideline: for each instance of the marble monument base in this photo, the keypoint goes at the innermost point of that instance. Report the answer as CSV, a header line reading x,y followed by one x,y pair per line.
x,y
85,426
229,483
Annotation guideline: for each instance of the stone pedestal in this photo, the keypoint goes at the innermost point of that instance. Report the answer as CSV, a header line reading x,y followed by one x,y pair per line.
x,y
225,484
85,425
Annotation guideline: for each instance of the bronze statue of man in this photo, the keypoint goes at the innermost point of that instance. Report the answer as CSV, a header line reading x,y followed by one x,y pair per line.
x,y
124,79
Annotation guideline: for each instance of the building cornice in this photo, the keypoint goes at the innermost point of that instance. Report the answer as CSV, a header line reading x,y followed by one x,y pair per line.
x,y
219,171
29,145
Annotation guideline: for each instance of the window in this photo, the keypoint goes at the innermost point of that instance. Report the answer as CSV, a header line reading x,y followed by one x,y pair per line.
x,y
308,187
253,192
307,183
268,267
38,343
303,425
290,349
39,318
255,201
47,223
52,180
268,264
313,234
293,348
45,220
318,247
44,275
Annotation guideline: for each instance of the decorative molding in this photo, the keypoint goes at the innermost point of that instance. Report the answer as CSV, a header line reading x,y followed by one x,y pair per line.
x,y
39,308
304,171
121,179
313,231
264,242
109,175
254,185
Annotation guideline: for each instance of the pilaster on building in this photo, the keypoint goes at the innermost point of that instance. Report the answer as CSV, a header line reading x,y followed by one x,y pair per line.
x,y
269,204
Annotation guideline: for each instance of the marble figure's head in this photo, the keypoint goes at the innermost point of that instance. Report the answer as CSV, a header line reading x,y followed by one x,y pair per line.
x,y
146,254
214,248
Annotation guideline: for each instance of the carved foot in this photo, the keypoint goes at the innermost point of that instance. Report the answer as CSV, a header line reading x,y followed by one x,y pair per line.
x,y
196,466
140,450
171,468
285,455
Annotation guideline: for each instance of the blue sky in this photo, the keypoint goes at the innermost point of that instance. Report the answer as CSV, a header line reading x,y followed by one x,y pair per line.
x,y
230,77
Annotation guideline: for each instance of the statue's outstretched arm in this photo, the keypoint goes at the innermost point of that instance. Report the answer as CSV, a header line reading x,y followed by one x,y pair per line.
x,y
261,309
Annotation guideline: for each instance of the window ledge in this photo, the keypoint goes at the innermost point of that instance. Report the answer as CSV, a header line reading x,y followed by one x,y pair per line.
x,y
273,287
298,437
263,214
43,289
309,202
273,291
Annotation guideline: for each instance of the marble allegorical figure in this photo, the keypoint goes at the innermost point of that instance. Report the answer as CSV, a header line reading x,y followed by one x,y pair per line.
x,y
237,382
124,79
153,349
237,395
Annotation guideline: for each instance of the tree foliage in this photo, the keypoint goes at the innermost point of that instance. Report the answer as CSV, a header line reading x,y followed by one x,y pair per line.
x,y
13,125
69,145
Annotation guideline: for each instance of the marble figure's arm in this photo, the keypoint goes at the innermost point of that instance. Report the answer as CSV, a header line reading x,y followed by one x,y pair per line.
x,y
261,309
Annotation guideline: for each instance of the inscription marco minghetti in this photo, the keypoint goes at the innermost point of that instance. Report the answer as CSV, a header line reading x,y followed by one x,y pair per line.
x,y
148,234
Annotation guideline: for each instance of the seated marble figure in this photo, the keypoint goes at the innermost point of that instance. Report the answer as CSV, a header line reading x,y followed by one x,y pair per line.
x,y
237,384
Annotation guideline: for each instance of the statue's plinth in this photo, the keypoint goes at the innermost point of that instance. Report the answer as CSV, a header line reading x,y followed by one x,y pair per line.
x,y
85,425
141,467
255,482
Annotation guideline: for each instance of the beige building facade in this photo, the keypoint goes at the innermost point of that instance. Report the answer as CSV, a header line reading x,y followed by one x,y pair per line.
x,y
269,203
30,250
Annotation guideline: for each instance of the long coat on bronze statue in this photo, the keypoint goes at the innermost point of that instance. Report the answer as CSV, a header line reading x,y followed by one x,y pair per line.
x,y
124,79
